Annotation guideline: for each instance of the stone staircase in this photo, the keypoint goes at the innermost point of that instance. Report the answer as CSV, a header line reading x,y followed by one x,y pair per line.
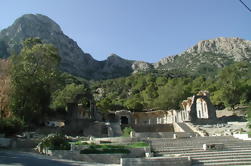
x,y
185,127
235,152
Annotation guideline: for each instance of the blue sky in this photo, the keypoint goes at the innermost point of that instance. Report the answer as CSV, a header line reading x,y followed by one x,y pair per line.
x,y
146,30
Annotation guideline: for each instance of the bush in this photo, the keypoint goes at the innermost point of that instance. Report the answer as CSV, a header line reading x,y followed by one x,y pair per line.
x,y
11,126
127,131
56,142
138,145
103,149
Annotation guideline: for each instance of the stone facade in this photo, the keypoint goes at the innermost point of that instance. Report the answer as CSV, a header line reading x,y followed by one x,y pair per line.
x,y
198,107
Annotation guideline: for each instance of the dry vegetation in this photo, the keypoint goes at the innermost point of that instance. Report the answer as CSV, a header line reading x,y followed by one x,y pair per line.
x,y
4,88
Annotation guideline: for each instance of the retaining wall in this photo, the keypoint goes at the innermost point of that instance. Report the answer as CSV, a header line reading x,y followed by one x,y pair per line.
x,y
5,142
156,161
75,155
98,158
163,134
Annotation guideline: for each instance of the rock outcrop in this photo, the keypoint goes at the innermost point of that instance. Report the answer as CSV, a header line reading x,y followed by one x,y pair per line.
x,y
204,57
208,55
73,59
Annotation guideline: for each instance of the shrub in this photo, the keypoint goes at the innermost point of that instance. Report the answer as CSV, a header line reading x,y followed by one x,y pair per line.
x,y
127,131
104,150
11,126
81,143
138,145
56,142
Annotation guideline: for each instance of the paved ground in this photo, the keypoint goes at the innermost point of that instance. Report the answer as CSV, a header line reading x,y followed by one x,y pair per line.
x,y
15,158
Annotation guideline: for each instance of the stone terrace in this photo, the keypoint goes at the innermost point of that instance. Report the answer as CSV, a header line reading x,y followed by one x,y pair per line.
x,y
235,152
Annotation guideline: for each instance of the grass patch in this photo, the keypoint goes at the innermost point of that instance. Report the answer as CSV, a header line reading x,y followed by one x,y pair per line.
x,y
138,145
80,143
106,149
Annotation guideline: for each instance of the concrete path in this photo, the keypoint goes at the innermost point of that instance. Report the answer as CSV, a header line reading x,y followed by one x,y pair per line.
x,y
15,158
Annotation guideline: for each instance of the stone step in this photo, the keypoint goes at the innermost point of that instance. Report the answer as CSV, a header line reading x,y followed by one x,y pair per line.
x,y
218,155
189,148
247,160
202,152
197,143
235,163
221,157
190,141
198,147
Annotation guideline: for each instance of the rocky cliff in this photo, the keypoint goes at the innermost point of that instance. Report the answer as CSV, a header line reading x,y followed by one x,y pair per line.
x,y
73,59
206,56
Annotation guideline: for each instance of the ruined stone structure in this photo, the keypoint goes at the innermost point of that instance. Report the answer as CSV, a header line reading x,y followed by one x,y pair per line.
x,y
195,108
198,107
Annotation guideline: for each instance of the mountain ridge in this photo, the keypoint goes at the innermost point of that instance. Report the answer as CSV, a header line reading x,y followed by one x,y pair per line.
x,y
208,54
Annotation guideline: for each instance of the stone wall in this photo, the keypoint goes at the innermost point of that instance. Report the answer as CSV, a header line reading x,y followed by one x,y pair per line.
x,y
153,128
92,158
154,134
97,158
5,142
118,140
156,161
163,134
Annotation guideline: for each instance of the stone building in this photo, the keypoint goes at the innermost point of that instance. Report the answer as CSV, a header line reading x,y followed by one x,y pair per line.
x,y
198,107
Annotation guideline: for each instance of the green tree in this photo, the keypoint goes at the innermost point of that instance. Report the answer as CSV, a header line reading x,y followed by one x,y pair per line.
x,y
34,74
231,81
68,94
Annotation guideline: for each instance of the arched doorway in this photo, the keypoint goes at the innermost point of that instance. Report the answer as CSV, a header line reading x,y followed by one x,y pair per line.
x,y
124,120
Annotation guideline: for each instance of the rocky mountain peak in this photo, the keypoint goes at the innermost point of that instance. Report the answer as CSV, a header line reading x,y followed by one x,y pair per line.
x,y
208,55
237,48
73,59
30,25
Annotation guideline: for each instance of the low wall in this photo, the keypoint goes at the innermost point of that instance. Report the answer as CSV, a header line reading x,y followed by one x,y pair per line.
x,y
5,142
78,147
26,143
163,134
75,155
119,140
156,161
154,128
98,158
154,134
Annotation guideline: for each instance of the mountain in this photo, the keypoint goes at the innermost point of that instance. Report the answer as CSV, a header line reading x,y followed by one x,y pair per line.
x,y
208,55
205,57
73,59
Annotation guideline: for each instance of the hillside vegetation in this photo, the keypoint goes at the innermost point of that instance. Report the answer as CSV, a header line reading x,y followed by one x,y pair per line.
x,y
229,87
